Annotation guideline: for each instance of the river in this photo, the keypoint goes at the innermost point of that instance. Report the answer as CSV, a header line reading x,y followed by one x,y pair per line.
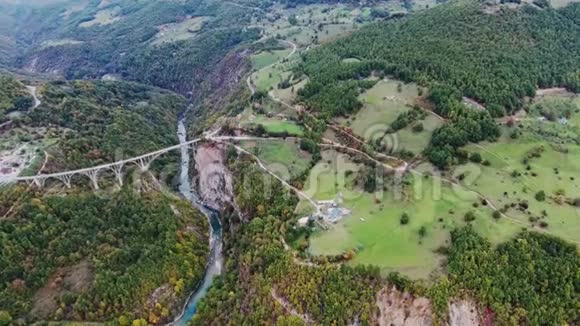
x,y
215,263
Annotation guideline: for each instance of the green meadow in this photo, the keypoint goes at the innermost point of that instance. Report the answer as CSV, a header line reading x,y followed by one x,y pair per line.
x,y
266,58
374,229
283,157
383,103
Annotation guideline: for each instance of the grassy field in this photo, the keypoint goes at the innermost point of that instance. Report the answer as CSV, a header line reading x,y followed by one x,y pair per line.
x,y
278,126
274,124
561,3
266,58
351,60
61,42
284,157
381,239
416,142
103,17
288,95
554,172
543,157
315,23
269,77
184,30
560,116
324,181
383,103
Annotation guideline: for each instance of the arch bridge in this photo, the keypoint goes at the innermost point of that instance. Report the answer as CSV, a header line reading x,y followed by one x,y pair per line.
x,y
143,162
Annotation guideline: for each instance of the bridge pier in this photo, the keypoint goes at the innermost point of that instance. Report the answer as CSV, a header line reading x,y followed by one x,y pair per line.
x,y
144,162
94,176
66,179
118,170
39,182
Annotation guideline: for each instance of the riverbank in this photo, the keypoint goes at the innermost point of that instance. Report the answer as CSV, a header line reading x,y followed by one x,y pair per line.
x,y
215,261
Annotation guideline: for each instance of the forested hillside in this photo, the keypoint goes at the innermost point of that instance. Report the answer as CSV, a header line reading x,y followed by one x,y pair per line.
x,y
105,121
495,58
126,38
531,280
94,258
13,96
258,269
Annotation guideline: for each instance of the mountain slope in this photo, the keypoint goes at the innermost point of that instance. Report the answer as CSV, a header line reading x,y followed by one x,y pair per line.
x,y
495,58
126,39
84,257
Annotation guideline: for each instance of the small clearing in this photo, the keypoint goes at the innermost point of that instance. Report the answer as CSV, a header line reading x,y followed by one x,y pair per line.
x,y
180,31
61,42
103,17
73,279
14,161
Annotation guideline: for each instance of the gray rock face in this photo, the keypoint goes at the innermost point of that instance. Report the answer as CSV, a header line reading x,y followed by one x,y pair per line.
x,y
214,181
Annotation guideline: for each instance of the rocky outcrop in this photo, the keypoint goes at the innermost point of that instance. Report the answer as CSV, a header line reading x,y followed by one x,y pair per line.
x,y
398,308
402,309
213,180
463,313
225,79
58,61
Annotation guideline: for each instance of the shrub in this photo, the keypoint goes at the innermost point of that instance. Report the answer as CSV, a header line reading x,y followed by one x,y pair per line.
x,y
422,232
469,216
404,219
496,215
418,127
540,195
5,318
475,158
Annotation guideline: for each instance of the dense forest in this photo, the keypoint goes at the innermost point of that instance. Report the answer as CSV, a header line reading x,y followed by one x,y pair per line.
x,y
464,125
530,280
495,59
89,258
13,96
106,121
